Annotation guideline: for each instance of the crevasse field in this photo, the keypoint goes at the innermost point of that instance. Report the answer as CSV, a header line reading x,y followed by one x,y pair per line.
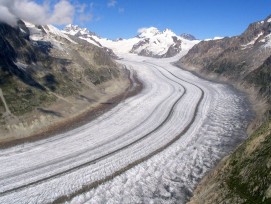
x,y
153,147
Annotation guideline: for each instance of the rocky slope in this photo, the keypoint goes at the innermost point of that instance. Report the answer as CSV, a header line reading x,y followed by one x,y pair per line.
x,y
149,42
245,176
45,77
243,58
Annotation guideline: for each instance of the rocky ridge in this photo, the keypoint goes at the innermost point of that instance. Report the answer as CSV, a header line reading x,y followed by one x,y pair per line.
x,y
243,59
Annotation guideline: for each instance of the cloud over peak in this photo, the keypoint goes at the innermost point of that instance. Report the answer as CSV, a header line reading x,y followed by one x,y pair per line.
x,y
60,13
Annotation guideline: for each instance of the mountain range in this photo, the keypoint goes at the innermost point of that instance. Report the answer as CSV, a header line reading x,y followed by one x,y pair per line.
x,y
149,42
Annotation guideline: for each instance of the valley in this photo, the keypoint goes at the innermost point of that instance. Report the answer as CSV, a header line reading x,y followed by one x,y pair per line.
x,y
157,118
175,118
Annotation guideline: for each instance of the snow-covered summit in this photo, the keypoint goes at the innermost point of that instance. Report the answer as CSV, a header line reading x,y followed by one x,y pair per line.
x,y
168,32
76,30
148,32
155,43
152,31
47,33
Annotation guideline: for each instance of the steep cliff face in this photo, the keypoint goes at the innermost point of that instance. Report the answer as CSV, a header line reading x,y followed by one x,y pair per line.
x,y
41,67
245,61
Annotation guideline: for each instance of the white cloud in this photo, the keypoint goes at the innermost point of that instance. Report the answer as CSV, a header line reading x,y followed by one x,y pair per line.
x,y
12,10
141,30
86,17
63,13
111,3
6,16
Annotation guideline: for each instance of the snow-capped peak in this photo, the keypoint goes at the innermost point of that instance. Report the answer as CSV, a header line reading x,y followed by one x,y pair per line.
x,y
46,33
148,32
155,43
76,30
168,32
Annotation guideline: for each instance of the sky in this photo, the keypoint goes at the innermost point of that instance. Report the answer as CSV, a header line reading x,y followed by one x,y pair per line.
x,y
123,18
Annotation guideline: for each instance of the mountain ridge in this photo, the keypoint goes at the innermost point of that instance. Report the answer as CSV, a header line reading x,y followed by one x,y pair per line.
x,y
149,42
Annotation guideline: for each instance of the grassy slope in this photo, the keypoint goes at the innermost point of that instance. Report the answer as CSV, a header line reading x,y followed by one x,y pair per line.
x,y
244,177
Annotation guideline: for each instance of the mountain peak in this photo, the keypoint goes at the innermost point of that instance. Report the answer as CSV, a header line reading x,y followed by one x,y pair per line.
x,y
168,32
188,36
148,32
76,30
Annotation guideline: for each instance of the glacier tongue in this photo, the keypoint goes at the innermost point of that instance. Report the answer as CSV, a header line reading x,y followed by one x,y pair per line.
x,y
160,141
171,175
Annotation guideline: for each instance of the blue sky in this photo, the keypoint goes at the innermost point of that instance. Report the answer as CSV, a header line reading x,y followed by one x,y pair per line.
x,y
122,18
202,18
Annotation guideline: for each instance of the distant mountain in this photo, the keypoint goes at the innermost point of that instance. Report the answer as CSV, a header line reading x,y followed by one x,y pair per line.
x,y
77,31
155,43
150,42
85,34
188,36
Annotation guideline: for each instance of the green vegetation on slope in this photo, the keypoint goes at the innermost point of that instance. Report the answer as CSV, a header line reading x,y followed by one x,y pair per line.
x,y
242,178
249,175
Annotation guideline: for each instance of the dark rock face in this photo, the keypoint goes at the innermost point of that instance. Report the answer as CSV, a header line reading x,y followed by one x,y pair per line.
x,y
261,77
140,44
175,48
15,46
